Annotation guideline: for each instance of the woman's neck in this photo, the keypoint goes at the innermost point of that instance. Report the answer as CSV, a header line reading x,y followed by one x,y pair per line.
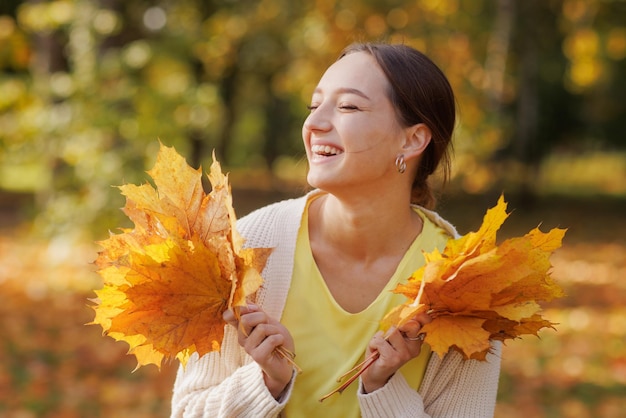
x,y
363,230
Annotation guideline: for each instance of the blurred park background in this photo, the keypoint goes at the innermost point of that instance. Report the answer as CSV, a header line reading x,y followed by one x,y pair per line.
x,y
88,87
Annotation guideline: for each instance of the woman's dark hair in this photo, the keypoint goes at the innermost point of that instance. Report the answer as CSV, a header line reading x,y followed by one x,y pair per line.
x,y
421,93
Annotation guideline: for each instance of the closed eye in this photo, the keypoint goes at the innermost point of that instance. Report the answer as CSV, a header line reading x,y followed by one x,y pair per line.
x,y
311,108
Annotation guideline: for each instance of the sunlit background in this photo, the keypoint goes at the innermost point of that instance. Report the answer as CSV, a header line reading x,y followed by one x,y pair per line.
x,y
89,87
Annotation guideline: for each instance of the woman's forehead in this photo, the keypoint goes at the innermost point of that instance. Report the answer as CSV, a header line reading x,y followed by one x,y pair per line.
x,y
355,71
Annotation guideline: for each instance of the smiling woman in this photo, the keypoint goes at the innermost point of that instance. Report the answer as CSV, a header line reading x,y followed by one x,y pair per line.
x,y
381,123
420,96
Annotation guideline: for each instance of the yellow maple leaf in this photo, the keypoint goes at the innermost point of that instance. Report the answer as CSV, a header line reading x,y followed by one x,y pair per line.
x,y
174,301
476,291
168,280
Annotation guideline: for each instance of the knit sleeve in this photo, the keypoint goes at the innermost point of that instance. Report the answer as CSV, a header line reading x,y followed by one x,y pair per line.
x,y
219,385
455,387
394,400
452,387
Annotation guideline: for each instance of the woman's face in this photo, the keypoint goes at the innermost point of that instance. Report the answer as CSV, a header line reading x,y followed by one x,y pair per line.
x,y
352,136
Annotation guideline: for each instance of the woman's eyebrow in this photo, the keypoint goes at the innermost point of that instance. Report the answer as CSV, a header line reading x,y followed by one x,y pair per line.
x,y
346,90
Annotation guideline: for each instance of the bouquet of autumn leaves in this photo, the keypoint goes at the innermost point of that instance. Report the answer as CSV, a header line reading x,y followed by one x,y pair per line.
x,y
168,281
477,291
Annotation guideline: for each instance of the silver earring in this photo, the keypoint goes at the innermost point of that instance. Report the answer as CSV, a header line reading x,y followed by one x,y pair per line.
x,y
400,164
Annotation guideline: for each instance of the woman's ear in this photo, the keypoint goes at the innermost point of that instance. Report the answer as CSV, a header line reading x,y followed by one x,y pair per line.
x,y
417,139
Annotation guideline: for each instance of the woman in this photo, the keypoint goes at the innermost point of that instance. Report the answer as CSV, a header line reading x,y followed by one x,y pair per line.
x,y
381,123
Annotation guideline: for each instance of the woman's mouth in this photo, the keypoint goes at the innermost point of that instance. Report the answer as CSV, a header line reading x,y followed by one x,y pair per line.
x,y
325,150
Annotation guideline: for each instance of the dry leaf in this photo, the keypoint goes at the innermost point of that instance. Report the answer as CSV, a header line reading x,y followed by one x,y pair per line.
x,y
168,281
476,291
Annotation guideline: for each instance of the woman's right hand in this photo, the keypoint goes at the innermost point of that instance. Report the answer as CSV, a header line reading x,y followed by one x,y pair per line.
x,y
260,335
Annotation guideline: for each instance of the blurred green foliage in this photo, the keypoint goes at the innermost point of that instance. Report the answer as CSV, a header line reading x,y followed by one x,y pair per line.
x,y
88,86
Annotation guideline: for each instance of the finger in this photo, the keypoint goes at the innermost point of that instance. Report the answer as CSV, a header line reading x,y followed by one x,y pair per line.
x,y
418,338
266,350
393,352
420,319
239,311
375,341
411,328
406,347
423,318
263,339
412,345
380,344
232,315
249,321
229,317
397,341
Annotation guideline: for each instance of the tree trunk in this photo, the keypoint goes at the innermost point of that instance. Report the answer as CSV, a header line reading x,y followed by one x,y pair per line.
x,y
498,53
228,91
527,113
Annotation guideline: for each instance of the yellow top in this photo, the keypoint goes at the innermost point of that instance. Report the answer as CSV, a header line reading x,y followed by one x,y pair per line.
x,y
329,340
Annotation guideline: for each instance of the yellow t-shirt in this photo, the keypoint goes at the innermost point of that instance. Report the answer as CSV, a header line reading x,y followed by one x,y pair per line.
x,y
329,340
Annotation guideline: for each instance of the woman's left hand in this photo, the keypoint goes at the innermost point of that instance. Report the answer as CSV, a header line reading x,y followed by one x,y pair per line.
x,y
402,345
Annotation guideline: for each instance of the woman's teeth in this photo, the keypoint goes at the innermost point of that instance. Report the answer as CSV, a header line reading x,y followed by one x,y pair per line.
x,y
325,150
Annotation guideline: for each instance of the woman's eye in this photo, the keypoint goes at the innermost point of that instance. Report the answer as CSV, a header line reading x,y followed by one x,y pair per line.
x,y
313,107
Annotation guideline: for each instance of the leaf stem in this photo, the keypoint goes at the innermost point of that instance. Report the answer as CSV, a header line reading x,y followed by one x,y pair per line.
x,y
372,356
289,356
364,365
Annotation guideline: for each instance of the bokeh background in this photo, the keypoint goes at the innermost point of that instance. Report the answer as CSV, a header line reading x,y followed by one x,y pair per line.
x,y
88,87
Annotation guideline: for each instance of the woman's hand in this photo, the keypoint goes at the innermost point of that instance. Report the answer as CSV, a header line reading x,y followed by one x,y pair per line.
x,y
260,335
402,345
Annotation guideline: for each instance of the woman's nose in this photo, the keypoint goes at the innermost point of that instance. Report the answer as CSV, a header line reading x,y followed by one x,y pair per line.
x,y
318,120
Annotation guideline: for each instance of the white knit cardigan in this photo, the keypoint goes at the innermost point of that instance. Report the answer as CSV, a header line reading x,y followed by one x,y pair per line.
x,y
229,384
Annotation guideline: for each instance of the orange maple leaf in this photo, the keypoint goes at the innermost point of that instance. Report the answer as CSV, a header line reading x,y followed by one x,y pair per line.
x,y
476,291
168,281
